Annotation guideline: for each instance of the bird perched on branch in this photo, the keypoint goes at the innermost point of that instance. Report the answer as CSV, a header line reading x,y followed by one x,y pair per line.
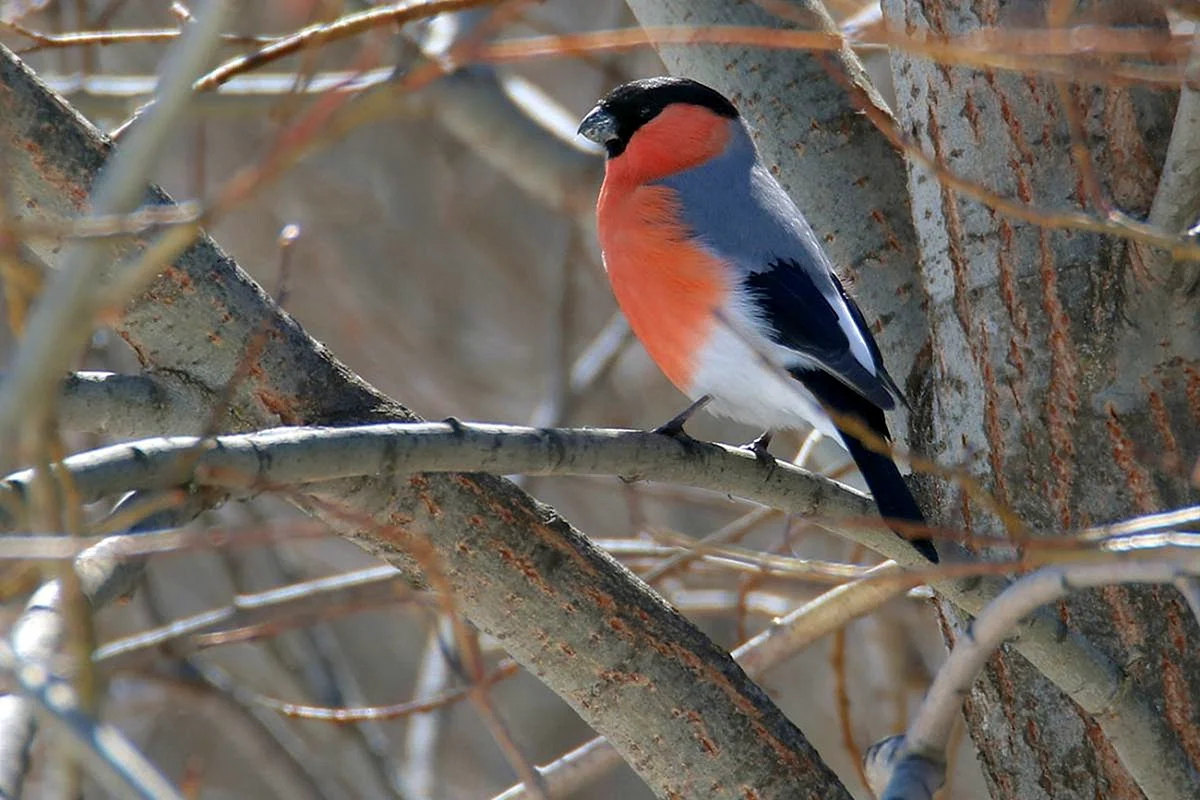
x,y
726,286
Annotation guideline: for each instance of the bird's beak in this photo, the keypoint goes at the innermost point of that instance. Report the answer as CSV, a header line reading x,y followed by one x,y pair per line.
x,y
599,126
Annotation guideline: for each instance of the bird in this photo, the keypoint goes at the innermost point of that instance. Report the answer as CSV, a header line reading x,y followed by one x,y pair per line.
x,y
725,284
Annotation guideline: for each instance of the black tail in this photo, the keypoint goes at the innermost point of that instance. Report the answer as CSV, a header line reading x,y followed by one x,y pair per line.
x,y
891,493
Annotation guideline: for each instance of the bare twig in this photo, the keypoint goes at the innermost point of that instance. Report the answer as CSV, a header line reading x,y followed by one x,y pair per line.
x,y
39,633
1176,205
417,707
362,588
99,38
918,758
325,32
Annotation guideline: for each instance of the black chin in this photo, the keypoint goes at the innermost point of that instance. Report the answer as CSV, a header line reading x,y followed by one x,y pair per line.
x,y
615,147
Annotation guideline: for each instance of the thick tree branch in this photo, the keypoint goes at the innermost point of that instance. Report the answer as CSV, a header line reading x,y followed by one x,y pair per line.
x,y
62,321
126,406
286,457
488,536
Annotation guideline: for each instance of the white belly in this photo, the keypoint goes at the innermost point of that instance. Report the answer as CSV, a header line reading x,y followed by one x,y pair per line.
x,y
745,388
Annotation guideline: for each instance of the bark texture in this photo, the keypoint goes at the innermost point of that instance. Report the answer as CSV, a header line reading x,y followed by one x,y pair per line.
x,y
1063,376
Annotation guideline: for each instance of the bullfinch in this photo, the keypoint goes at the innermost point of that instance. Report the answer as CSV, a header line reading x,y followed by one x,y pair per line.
x,y
724,282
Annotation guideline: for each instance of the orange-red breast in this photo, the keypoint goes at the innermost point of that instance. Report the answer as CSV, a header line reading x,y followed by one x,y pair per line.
x,y
719,275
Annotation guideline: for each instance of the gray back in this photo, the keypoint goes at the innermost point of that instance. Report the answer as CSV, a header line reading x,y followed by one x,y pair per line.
x,y
742,213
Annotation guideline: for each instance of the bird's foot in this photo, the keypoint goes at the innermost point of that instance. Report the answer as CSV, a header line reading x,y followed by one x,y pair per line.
x,y
674,426
760,447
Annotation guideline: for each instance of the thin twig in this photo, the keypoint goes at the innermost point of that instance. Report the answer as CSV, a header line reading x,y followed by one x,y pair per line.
x,y
361,588
104,38
918,761
38,634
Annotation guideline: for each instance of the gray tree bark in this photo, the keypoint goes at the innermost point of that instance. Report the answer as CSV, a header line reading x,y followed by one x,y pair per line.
x,y
1064,376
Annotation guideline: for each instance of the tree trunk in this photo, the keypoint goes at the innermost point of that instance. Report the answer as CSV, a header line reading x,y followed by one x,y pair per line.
x,y
1064,376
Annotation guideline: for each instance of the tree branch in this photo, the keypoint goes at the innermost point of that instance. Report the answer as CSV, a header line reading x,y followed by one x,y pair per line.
x,y
1176,205
127,406
918,760
287,457
39,633
63,320
632,668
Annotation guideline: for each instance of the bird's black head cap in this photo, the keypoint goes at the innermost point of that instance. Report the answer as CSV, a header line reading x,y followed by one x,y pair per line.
x,y
631,105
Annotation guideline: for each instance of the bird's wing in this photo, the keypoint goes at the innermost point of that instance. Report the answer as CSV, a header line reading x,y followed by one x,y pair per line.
x,y
736,209
822,327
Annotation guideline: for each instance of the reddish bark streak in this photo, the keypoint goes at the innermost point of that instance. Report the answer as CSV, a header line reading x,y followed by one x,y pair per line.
x,y
1062,397
1125,620
1045,770
1162,423
1176,692
1008,692
954,240
991,423
1192,392
1136,479
278,405
1008,290
971,112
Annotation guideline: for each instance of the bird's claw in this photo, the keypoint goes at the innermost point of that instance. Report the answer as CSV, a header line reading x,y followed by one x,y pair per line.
x,y
674,426
760,447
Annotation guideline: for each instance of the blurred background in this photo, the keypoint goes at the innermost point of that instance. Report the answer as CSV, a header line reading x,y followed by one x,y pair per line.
x,y
429,261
